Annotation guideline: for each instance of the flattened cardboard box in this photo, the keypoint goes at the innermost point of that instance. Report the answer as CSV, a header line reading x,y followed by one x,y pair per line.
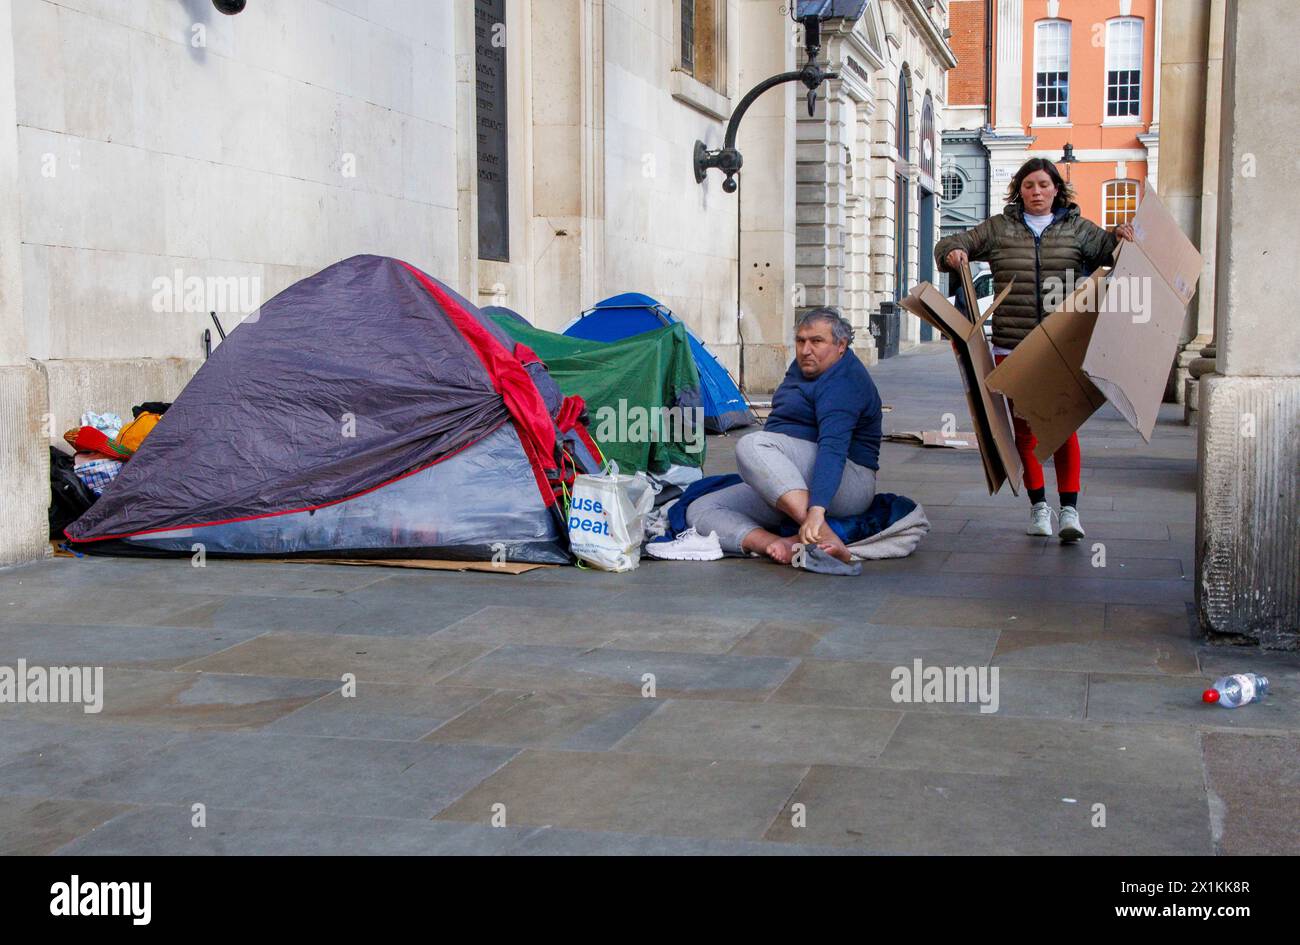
x,y
1114,338
988,410
935,438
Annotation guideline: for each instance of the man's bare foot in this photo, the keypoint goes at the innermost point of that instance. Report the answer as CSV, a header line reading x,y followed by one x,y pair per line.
x,y
834,547
781,550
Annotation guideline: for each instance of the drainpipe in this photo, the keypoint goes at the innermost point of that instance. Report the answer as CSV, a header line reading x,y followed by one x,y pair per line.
x,y
988,99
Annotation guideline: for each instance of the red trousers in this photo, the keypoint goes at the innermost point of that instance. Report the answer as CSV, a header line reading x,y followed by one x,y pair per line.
x,y
1067,459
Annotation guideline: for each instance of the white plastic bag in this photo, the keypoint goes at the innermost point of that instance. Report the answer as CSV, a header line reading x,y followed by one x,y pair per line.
x,y
606,519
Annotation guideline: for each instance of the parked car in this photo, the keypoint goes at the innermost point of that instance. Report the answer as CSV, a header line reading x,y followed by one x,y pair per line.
x,y
983,279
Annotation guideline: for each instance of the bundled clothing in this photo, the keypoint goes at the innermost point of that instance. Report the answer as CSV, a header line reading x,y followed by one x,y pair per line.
x,y
890,527
96,471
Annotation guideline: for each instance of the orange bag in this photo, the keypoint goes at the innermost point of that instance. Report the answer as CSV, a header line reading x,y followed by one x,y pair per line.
x,y
133,433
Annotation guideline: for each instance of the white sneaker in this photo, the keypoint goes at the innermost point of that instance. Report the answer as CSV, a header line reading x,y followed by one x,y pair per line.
x,y
1040,520
690,545
1071,530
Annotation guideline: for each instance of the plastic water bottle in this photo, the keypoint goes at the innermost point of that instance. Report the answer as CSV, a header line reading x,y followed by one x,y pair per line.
x,y
1236,690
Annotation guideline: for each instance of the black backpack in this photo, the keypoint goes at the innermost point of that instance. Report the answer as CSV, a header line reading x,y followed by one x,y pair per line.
x,y
69,496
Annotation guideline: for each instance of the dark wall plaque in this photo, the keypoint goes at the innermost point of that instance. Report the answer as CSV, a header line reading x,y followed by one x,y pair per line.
x,y
490,122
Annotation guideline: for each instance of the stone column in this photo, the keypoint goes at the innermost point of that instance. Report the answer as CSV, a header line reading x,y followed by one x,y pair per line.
x,y
1248,498
1010,32
769,289
820,172
24,459
1191,69
828,150
1008,145
566,176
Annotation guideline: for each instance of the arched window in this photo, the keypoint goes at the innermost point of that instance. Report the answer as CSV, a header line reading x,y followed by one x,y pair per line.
x,y
1119,201
1124,68
902,193
902,129
1052,71
927,137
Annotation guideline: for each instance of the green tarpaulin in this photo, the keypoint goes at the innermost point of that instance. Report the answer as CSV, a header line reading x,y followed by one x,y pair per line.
x,y
642,393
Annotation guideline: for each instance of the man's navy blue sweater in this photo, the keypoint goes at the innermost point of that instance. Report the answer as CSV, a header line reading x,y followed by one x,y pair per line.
x,y
839,410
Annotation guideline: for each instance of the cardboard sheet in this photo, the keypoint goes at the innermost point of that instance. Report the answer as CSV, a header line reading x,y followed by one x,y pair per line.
x,y
935,438
988,409
1042,377
1114,338
1136,338
511,567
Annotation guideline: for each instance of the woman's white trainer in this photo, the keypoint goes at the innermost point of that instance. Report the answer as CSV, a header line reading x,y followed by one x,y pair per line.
x,y
1071,530
1040,520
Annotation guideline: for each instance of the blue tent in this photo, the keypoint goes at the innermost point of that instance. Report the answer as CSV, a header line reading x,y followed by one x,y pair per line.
x,y
632,313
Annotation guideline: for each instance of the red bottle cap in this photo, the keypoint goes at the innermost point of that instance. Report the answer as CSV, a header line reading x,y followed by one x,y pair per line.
x,y
1210,695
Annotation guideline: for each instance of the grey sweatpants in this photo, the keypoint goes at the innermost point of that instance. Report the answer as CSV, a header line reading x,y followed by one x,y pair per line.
x,y
772,464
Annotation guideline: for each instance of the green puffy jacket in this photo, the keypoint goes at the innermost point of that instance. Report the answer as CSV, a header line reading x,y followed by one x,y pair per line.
x,y
1070,244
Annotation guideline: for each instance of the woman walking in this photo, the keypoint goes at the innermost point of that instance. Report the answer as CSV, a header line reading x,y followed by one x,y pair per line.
x,y
1042,241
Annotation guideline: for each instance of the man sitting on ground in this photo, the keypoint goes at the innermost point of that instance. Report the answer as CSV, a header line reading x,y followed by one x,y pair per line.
x,y
816,457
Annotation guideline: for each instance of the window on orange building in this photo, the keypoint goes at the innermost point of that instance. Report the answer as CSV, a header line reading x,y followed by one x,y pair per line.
x,y
1124,68
1119,201
1052,70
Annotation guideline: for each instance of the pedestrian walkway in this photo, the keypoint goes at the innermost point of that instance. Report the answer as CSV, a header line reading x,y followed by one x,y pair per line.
x,y
725,707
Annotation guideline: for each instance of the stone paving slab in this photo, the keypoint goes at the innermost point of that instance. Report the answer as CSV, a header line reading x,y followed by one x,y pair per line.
x,y
381,710
1177,700
547,719
1254,789
646,794
36,826
208,701
1106,652
1073,560
133,647
892,644
320,656
993,613
268,772
159,830
1023,692
997,745
772,733
608,671
930,812
168,831
630,630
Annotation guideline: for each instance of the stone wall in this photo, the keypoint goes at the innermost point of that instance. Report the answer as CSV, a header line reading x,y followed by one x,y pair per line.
x,y
157,141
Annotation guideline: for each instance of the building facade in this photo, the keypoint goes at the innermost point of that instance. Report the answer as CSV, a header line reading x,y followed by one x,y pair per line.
x,y
1083,73
1038,76
867,199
